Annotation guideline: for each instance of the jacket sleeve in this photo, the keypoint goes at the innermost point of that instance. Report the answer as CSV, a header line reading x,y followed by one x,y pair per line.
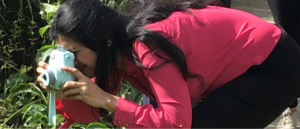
x,y
171,91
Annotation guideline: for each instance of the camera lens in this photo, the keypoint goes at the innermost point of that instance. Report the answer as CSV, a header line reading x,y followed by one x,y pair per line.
x,y
44,77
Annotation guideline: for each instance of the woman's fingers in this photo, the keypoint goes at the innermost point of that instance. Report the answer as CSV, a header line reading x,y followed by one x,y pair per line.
x,y
41,67
79,97
39,70
71,85
42,64
72,92
47,88
39,79
74,71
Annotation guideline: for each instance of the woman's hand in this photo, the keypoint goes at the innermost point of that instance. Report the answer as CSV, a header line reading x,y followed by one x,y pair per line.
x,y
43,66
86,90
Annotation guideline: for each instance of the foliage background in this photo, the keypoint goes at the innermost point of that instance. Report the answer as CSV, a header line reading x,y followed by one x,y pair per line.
x,y
23,31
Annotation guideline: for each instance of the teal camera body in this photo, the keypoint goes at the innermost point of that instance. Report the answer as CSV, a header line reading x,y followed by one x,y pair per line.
x,y
55,77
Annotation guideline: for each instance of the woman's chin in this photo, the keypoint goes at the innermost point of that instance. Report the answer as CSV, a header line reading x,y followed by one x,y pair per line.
x,y
86,72
90,77
89,74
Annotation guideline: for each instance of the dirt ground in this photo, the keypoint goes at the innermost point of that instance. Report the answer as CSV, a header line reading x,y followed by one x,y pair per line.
x,y
257,7
261,9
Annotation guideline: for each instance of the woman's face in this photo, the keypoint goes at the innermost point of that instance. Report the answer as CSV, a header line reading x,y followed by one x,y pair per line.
x,y
85,58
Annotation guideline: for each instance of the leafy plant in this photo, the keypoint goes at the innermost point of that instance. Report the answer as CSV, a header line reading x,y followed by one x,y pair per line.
x,y
18,37
23,103
47,11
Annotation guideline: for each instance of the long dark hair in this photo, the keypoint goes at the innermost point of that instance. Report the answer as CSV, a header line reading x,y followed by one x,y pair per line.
x,y
94,25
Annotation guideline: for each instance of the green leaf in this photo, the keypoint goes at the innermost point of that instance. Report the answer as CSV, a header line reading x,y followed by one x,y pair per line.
x,y
111,4
36,118
49,8
43,53
26,101
16,112
59,119
96,125
19,49
27,120
22,88
34,109
19,87
10,50
15,79
122,5
47,11
43,30
78,124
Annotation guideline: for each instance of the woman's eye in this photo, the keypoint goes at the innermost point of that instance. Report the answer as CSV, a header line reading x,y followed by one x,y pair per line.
x,y
74,52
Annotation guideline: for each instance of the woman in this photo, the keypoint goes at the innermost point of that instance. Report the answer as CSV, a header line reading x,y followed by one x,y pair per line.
x,y
177,52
